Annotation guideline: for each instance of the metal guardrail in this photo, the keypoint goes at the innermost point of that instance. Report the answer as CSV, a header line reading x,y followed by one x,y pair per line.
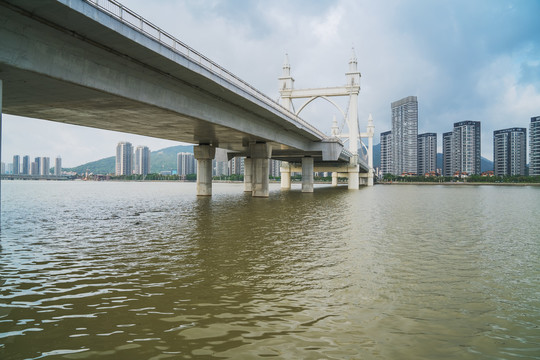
x,y
137,22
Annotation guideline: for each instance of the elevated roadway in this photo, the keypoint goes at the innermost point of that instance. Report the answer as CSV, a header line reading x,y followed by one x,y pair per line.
x,y
95,63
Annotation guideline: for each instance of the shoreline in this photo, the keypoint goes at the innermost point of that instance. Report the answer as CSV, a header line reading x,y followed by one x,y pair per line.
x,y
458,183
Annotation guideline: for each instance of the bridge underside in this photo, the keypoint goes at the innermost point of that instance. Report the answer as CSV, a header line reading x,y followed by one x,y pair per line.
x,y
37,96
86,68
68,62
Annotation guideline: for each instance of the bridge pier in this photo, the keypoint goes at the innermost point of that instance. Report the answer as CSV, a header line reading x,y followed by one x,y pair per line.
x,y
248,175
354,180
204,154
366,179
285,170
307,174
334,179
260,158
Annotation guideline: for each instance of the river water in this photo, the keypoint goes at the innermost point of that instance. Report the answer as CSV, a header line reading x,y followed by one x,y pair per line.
x,y
131,270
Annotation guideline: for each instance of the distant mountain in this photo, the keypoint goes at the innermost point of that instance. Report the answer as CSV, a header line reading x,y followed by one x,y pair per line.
x,y
103,166
439,161
165,159
160,160
485,164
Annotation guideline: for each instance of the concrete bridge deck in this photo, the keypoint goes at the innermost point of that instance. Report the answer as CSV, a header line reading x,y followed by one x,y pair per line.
x,y
75,62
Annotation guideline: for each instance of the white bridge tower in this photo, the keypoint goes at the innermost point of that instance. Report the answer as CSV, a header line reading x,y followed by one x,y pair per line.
x,y
351,89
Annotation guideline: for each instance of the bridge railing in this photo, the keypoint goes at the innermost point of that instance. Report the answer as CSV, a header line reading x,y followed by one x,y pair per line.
x,y
137,22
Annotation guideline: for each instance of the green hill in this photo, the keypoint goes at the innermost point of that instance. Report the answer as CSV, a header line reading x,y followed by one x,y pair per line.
x,y
160,160
165,159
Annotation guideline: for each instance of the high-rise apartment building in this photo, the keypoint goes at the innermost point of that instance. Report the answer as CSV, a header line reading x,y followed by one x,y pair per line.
x,y
448,140
466,157
220,168
45,166
534,143
405,135
142,160
386,153
38,166
124,158
34,168
58,166
185,164
427,153
509,151
236,166
25,165
274,168
16,164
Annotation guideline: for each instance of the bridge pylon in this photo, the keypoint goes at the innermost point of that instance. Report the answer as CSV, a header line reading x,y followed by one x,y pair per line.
x,y
354,137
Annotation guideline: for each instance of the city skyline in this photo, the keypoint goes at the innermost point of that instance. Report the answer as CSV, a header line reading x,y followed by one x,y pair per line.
x,y
41,166
454,56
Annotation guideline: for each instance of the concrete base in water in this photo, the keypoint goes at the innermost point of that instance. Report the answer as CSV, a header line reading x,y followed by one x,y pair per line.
x,y
204,155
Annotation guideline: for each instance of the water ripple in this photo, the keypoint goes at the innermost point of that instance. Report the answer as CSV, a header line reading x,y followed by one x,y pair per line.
x,y
381,273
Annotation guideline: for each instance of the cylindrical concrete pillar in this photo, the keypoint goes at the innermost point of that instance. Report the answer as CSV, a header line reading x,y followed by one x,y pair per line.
x,y
260,156
204,155
334,179
248,175
204,177
261,172
354,180
285,170
307,174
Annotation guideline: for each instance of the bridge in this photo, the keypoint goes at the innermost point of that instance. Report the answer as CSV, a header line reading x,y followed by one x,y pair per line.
x,y
95,63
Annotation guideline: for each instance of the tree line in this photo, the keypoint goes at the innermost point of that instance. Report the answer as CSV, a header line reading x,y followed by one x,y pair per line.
x,y
509,179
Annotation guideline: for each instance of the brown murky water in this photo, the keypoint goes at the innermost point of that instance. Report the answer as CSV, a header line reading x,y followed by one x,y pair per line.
x,y
149,271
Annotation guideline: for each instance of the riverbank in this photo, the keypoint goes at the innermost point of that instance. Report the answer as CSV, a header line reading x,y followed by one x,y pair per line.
x,y
457,183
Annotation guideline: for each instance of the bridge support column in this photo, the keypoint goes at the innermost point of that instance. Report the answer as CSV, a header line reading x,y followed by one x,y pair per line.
x,y
334,179
260,157
354,173
285,170
248,175
307,174
370,178
204,155
354,180
362,181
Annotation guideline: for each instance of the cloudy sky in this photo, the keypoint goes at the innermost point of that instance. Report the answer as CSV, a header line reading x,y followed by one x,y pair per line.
x,y
464,60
